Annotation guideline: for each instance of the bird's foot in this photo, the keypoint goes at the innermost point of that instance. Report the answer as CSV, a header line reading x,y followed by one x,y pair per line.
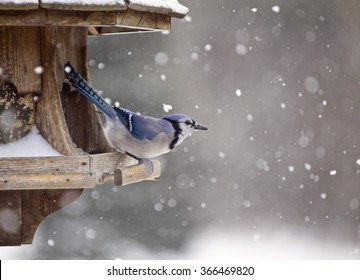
x,y
147,162
149,165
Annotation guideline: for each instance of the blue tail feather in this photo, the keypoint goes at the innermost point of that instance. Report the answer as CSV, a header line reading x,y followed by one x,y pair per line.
x,y
82,86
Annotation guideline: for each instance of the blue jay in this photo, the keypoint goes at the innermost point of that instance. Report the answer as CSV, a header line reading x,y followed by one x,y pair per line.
x,y
141,137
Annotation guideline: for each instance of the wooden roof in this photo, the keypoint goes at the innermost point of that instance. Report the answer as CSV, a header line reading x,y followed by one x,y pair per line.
x,y
168,7
100,16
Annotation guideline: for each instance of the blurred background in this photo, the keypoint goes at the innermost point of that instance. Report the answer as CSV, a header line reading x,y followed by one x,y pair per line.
x,y
277,174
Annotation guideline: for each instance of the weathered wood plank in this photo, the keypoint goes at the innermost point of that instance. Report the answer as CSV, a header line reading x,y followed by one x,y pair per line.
x,y
71,172
38,204
19,5
127,18
10,218
41,17
50,118
44,164
19,56
136,173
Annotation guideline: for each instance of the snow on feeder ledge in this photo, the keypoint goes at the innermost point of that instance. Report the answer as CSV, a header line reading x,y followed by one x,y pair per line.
x,y
36,39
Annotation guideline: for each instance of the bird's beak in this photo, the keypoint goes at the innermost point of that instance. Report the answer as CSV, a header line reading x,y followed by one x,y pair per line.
x,y
200,127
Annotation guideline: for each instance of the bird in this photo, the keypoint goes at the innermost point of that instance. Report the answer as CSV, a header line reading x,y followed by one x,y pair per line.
x,y
138,136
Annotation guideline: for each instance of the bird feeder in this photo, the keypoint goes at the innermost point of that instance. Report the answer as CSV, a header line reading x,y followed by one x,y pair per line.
x,y
44,34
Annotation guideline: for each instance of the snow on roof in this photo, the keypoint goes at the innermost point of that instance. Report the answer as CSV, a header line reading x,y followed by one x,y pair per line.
x,y
20,148
171,7
168,7
83,5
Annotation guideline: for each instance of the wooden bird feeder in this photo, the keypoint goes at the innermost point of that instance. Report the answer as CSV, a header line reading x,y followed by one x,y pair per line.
x,y
48,33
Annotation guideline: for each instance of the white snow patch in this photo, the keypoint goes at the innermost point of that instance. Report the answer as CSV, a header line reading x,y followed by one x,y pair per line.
x,y
249,117
241,49
108,100
275,9
67,69
262,164
20,148
90,233
163,77
101,66
222,155
161,58
158,207
194,56
172,202
332,172
39,70
164,6
167,107
303,141
307,166
207,47
188,19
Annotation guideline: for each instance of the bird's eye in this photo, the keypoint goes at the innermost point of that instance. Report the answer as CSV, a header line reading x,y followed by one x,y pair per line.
x,y
187,122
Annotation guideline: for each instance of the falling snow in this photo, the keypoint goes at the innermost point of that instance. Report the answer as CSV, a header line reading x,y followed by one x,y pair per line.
x,y
241,49
167,107
279,93
307,166
276,9
39,70
161,58
249,117
207,47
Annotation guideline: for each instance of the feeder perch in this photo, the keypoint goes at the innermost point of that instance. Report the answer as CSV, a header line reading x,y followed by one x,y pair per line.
x,y
47,33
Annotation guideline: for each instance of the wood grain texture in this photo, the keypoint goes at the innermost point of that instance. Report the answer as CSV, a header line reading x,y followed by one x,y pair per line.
x,y
19,5
19,55
38,204
129,18
50,118
10,218
71,172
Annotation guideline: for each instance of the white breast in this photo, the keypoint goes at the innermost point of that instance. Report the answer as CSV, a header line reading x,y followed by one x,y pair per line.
x,y
122,140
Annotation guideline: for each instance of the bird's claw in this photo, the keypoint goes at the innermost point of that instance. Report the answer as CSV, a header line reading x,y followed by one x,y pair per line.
x,y
149,165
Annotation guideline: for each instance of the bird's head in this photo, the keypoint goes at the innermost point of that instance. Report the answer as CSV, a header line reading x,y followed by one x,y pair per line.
x,y
184,126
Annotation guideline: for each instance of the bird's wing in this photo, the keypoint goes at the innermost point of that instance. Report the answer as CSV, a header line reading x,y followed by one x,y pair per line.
x,y
143,127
